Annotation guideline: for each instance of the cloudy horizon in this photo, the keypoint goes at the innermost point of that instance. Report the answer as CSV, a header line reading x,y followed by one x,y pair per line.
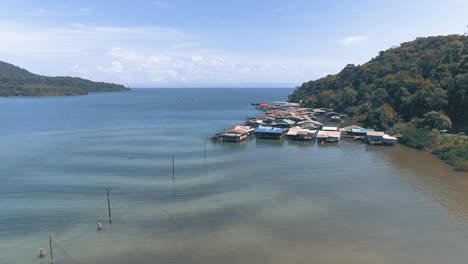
x,y
211,44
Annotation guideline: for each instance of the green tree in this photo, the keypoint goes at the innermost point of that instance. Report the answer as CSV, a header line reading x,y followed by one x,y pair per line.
x,y
347,98
328,98
430,98
381,118
434,120
417,138
427,74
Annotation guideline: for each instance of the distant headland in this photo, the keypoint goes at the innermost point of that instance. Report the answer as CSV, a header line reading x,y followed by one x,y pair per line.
x,y
15,81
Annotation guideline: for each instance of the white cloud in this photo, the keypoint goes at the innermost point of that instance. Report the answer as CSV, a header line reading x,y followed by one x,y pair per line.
x,y
43,11
197,58
354,40
144,56
48,12
77,69
115,66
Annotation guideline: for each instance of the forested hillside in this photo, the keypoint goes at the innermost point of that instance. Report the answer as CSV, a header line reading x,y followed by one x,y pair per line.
x,y
424,82
416,90
15,81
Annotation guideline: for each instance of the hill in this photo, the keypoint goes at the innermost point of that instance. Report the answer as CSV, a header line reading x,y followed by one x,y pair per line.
x,y
15,81
401,84
415,89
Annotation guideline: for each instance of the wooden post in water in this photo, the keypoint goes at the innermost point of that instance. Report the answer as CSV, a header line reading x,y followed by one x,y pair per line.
x,y
204,147
51,250
173,168
108,206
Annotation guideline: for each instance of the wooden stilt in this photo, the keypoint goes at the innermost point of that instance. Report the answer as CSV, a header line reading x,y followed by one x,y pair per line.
x,y
108,206
51,250
204,147
173,168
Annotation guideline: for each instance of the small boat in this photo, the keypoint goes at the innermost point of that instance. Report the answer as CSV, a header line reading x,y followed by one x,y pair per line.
x,y
388,140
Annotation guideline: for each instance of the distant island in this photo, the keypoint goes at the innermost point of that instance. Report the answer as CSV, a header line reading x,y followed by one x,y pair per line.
x,y
15,81
418,89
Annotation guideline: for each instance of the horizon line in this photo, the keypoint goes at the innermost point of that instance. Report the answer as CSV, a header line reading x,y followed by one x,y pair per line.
x,y
212,87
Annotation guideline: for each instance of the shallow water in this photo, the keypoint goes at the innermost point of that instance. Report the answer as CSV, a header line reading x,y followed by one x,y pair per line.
x,y
257,202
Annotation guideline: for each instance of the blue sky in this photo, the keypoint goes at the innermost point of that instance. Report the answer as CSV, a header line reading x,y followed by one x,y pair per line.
x,y
213,43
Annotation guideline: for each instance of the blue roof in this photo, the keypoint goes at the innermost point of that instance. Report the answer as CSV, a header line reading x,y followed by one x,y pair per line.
x,y
359,130
274,130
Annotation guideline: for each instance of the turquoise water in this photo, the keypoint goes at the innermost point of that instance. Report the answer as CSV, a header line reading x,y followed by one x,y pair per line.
x,y
256,202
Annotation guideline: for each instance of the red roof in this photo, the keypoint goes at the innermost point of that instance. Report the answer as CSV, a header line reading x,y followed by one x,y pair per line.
x,y
263,105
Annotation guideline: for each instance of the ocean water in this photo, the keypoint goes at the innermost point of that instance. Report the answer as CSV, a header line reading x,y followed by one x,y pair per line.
x,y
260,201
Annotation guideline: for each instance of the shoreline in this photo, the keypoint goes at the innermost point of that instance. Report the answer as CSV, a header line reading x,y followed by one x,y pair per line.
x,y
61,95
284,119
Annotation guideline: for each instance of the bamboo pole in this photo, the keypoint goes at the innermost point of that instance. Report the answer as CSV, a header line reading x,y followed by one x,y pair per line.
x,y
108,206
204,147
173,168
51,250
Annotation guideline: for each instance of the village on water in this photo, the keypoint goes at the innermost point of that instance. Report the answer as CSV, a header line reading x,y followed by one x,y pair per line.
x,y
284,119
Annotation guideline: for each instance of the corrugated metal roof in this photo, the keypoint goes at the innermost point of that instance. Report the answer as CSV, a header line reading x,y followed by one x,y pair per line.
x,y
324,134
274,130
297,130
248,128
310,122
239,130
375,134
330,128
319,111
288,121
362,130
350,128
293,131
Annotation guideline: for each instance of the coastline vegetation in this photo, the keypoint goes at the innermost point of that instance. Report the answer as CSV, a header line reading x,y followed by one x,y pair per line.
x,y
452,148
418,89
15,81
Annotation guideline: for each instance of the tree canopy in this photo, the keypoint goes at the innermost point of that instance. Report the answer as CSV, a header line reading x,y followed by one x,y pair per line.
x,y
15,81
424,81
